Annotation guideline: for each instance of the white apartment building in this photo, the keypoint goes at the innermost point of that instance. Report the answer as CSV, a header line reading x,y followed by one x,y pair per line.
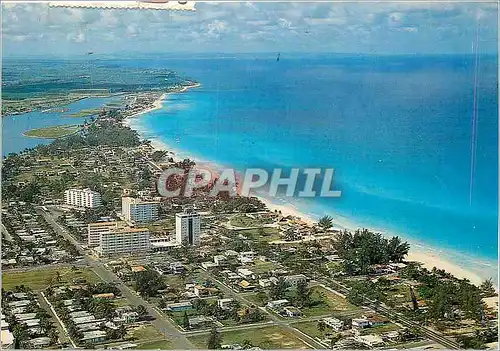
x,y
124,241
82,198
187,228
96,229
137,211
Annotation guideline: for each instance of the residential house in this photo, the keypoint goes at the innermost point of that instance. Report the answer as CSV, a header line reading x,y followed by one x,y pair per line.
x,y
200,321
277,303
371,340
38,343
360,323
180,306
225,304
334,323
291,311
293,280
94,336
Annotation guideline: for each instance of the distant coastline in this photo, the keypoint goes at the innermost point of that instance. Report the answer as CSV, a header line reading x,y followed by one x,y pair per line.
x,y
428,256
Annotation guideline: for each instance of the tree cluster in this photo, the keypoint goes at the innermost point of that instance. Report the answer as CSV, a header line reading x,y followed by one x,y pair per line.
x,y
363,249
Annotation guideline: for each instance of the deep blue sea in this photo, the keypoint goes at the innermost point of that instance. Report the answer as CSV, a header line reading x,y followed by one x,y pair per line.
x,y
397,131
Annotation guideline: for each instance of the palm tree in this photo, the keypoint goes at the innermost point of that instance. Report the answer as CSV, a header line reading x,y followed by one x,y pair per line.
x,y
325,222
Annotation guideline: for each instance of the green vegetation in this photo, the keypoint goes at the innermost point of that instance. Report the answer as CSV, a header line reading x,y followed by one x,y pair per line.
x,y
479,340
158,155
245,221
43,278
17,106
238,204
148,282
146,332
325,222
363,248
326,302
444,295
265,338
85,113
214,340
155,345
361,289
311,328
53,132
261,234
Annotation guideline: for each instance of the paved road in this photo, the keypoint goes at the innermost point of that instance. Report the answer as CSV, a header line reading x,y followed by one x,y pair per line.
x,y
310,342
178,340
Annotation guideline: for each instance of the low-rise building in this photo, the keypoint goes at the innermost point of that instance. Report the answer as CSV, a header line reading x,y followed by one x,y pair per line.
x,y
38,343
179,306
376,320
225,304
293,280
291,311
360,323
200,321
94,336
277,303
371,340
334,323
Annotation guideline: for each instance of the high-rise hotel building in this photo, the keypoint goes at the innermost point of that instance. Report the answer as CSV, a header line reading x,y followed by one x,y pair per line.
x,y
124,241
82,198
138,211
187,228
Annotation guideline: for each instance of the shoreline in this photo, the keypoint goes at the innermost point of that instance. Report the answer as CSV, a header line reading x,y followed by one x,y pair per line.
x,y
157,104
429,257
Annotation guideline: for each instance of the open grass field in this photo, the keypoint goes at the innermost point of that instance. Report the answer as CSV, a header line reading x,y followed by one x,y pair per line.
x,y
84,113
161,226
53,132
331,303
155,345
254,299
265,338
39,279
245,221
262,234
264,266
145,333
311,329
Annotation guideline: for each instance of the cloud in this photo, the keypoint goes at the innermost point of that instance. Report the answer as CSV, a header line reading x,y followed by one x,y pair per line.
x,y
385,27
216,27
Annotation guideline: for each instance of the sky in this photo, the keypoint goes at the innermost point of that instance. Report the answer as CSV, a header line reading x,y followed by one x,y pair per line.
x,y
35,29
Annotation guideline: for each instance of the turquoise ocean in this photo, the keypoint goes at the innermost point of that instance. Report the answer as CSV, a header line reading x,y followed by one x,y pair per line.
x,y
396,129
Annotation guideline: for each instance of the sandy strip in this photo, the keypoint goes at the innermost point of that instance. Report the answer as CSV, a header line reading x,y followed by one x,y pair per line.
x,y
287,210
427,257
431,260
158,103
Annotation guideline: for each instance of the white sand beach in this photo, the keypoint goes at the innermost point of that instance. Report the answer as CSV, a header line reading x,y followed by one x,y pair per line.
x,y
428,257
